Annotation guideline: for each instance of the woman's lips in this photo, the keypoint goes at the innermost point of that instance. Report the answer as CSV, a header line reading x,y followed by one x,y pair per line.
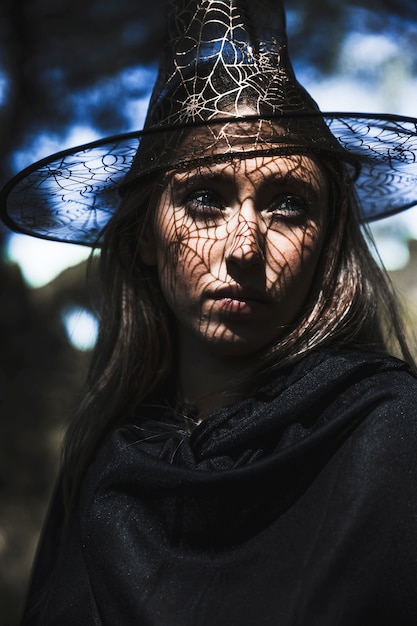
x,y
231,305
240,300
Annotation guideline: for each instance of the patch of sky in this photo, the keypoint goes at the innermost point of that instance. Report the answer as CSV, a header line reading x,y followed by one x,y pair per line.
x,y
53,74
81,327
134,32
373,75
364,51
47,143
374,68
294,22
131,88
41,261
391,236
4,88
138,83
390,252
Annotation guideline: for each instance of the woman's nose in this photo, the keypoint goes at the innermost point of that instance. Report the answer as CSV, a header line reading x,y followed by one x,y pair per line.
x,y
244,244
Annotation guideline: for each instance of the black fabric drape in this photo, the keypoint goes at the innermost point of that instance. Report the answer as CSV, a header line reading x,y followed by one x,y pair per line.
x,y
297,506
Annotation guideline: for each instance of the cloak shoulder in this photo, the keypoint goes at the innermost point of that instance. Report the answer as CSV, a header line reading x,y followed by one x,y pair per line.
x,y
296,506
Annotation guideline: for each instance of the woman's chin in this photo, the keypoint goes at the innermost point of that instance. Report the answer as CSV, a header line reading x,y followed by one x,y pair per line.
x,y
231,344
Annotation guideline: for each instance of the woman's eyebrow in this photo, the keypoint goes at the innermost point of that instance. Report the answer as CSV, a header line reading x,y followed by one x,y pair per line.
x,y
311,185
200,176
190,179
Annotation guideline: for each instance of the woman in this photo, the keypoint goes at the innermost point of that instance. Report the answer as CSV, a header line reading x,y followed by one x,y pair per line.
x,y
245,453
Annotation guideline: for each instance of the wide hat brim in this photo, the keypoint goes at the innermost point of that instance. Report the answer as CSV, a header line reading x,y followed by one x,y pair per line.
x,y
71,195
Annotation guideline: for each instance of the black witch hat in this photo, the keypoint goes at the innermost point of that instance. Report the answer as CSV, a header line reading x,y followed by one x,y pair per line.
x,y
225,89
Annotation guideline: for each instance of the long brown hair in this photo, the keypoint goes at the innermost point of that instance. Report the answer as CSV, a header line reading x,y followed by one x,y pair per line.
x,y
351,305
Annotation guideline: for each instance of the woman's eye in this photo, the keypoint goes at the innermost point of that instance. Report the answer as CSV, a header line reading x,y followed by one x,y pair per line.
x,y
205,202
289,205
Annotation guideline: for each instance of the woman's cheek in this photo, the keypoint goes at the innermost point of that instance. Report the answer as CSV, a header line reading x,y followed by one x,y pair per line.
x,y
291,265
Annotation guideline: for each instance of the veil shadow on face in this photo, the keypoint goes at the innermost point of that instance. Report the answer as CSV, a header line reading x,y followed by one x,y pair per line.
x,y
215,229
137,213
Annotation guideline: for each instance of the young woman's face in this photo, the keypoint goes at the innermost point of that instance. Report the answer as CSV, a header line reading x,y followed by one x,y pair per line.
x,y
236,247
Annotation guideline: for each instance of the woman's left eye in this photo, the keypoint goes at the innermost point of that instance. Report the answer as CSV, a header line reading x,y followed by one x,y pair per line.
x,y
288,205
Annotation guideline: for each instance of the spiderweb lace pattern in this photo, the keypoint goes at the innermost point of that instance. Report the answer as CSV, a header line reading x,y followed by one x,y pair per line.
x,y
221,55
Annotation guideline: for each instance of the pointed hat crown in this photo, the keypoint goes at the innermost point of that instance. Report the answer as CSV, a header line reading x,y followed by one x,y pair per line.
x,y
221,55
224,60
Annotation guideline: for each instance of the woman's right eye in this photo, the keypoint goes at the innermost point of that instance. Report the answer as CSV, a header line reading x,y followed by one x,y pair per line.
x,y
204,203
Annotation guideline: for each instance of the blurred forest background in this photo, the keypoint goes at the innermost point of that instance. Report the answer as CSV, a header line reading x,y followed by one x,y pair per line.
x,y
75,70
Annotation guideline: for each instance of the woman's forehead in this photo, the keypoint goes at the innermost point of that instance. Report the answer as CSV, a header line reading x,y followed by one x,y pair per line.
x,y
257,169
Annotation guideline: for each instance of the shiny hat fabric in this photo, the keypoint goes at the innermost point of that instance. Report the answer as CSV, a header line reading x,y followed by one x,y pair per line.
x,y
226,89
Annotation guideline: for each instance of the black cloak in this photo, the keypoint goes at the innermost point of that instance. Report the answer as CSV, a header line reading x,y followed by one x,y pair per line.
x,y
295,507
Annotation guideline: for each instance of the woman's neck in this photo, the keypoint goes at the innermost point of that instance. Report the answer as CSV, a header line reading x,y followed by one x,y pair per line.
x,y
209,380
